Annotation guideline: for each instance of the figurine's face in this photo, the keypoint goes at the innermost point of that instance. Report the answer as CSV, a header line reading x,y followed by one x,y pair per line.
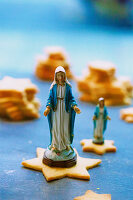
x,y
101,104
60,77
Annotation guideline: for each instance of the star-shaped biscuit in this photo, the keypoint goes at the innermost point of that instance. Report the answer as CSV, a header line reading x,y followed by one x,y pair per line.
x,y
89,146
127,114
52,173
90,195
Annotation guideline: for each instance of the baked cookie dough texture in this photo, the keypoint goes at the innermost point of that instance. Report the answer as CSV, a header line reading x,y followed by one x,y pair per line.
x,y
126,114
100,81
46,64
89,146
17,99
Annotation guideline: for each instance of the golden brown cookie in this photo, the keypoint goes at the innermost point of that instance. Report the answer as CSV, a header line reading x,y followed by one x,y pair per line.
x,y
17,99
127,114
102,70
90,195
89,146
51,173
46,65
56,53
100,81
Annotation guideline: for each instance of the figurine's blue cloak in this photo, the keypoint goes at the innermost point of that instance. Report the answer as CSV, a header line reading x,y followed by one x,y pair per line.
x,y
96,113
69,103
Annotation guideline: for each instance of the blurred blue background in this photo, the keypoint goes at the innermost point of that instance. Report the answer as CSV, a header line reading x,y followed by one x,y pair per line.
x,y
88,30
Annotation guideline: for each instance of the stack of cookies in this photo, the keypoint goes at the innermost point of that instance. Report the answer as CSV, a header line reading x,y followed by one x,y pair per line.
x,y
17,99
46,65
100,81
127,114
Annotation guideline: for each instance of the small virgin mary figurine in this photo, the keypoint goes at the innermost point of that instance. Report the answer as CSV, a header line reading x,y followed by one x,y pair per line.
x,y
100,121
61,108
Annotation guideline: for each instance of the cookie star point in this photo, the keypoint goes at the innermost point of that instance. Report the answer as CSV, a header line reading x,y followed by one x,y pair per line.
x,y
40,152
34,163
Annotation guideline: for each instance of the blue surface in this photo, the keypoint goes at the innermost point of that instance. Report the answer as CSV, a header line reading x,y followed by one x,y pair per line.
x,y
22,36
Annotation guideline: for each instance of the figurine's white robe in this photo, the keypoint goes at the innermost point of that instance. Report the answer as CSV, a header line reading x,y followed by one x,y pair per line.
x,y
98,131
61,122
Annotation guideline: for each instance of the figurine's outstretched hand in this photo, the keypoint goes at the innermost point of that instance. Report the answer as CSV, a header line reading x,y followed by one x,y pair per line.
x,y
94,117
77,110
46,112
108,118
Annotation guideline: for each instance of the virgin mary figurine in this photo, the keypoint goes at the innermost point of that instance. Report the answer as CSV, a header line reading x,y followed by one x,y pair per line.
x,y
100,121
61,108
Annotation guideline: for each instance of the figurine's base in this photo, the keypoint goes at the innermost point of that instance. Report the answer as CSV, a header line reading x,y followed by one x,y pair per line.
x,y
62,164
98,142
